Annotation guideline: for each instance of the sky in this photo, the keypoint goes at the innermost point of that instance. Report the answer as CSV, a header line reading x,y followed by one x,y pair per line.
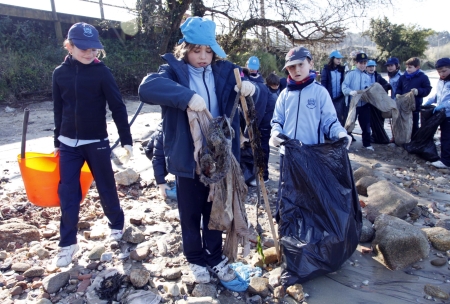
x,y
423,13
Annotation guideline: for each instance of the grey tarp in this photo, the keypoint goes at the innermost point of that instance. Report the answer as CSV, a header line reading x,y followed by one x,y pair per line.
x,y
402,119
376,96
227,195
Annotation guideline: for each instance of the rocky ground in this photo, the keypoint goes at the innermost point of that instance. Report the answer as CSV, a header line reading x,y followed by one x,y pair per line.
x,y
406,205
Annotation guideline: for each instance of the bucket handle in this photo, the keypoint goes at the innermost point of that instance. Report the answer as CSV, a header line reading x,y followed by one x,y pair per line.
x,y
26,114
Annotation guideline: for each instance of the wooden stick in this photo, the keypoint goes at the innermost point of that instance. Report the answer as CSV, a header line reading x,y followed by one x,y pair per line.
x,y
261,180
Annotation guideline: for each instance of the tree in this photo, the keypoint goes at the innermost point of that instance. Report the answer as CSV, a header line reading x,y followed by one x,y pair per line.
x,y
397,40
300,21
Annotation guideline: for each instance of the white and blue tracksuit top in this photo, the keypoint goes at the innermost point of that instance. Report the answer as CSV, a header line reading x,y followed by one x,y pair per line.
x,y
306,115
355,80
442,96
393,81
201,81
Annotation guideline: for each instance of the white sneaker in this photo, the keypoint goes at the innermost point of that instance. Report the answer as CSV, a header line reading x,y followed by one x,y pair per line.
x,y
253,182
439,164
370,148
200,273
65,255
116,235
223,270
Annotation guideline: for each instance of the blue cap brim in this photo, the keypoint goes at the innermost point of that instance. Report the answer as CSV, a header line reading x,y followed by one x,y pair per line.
x,y
218,50
253,66
87,44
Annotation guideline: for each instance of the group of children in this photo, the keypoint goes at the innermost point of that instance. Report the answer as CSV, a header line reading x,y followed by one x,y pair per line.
x,y
196,77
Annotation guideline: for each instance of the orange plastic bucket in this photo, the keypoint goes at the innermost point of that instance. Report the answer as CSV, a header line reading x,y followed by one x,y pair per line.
x,y
40,174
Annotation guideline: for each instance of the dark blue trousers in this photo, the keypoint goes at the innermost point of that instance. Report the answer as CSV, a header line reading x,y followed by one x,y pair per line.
x,y
203,248
415,125
445,142
363,114
97,156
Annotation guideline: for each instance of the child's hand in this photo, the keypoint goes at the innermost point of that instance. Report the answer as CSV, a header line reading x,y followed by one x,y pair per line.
x,y
349,138
197,103
397,96
162,190
353,93
438,108
127,155
415,92
275,141
247,88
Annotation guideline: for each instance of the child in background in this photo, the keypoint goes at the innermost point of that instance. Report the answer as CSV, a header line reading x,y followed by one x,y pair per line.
x,y
393,68
82,87
371,70
416,81
356,80
192,77
442,101
273,83
304,110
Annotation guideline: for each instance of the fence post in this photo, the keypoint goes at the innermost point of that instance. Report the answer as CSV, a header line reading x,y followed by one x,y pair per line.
x,y
102,15
57,24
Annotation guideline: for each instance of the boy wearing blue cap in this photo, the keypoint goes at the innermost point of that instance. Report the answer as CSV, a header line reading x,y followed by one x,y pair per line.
x,y
442,101
193,78
371,70
394,73
354,81
304,110
332,77
82,88
416,81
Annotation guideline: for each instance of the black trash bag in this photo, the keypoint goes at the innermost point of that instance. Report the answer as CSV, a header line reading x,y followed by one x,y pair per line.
x,y
247,162
422,142
320,216
379,135
341,109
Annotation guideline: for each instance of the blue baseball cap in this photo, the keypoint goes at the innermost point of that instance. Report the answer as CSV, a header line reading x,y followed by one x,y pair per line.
x,y
253,63
84,36
392,60
336,54
201,31
296,55
442,63
371,63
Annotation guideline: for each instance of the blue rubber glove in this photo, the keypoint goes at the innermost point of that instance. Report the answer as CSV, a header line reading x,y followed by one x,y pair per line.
x,y
439,107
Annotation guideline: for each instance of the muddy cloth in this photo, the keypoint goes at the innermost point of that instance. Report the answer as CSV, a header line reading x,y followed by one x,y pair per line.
x,y
218,168
376,96
422,143
320,216
402,122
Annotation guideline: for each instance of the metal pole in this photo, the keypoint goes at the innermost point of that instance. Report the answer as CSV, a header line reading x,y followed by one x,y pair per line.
x,y
102,15
26,114
57,24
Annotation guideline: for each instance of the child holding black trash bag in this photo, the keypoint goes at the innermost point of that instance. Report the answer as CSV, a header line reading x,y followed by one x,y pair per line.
x,y
193,78
442,101
82,88
304,110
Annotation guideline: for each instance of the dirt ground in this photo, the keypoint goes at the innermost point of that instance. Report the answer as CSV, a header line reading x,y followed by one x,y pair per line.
x,y
385,286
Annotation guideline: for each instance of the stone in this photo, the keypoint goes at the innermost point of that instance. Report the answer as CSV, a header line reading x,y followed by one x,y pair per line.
x,y
21,267
439,262
275,277
106,257
44,301
259,286
16,290
398,243
92,266
133,235
126,177
84,285
361,172
172,215
270,257
172,289
363,183
171,273
3,255
96,252
139,277
53,283
436,292
18,233
141,297
367,231
205,290
439,237
256,299
83,225
199,300
140,254
136,220
279,292
386,198
440,180
35,271
42,253
296,292
444,223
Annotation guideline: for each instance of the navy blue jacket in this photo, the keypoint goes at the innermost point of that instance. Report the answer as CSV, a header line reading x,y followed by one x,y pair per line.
x,y
325,79
260,97
420,81
155,152
80,94
169,88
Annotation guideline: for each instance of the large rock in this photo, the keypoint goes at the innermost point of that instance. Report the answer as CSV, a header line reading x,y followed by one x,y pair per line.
x,y
361,172
35,271
53,283
139,277
126,177
363,183
259,286
399,243
386,198
439,237
142,297
133,235
367,231
204,290
17,233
